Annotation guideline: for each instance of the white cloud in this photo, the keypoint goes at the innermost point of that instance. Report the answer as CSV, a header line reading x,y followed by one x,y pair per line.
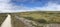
x,y
5,6
49,7
5,1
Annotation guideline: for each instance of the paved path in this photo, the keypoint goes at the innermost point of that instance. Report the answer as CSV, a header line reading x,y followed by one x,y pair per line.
x,y
7,22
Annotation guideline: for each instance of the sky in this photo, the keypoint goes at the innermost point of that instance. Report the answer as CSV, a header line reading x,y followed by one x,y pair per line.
x,y
29,5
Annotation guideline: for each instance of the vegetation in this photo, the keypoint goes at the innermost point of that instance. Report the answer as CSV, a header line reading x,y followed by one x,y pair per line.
x,y
30,18
38,16
50,17
42,21
2,17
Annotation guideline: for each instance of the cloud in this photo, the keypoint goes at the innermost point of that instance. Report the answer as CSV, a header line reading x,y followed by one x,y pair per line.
x,y
52,5
49,7
6,6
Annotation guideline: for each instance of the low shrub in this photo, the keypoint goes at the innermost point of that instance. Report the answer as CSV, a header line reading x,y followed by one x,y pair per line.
x,y
42,21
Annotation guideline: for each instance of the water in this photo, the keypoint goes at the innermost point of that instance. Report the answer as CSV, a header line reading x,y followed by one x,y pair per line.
x,y
7,22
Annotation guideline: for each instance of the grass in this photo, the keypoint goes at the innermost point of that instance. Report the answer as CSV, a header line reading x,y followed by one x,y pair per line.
x,y
2,17
50,17
16,22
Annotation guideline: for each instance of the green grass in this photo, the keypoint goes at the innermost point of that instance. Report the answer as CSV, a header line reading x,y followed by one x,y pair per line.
x,y
51,17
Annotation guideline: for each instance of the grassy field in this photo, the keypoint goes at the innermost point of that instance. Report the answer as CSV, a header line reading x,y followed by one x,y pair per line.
x,y
38,16
50,17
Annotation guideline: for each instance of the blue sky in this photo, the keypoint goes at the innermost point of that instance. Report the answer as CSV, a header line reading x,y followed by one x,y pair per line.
x,y
29,5
34,3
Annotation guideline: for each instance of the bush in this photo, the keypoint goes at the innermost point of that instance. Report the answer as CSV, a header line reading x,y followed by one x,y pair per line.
x,y
30,18
42,21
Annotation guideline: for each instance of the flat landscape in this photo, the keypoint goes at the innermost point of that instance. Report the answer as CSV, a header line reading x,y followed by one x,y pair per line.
x,y
48,16
38,17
